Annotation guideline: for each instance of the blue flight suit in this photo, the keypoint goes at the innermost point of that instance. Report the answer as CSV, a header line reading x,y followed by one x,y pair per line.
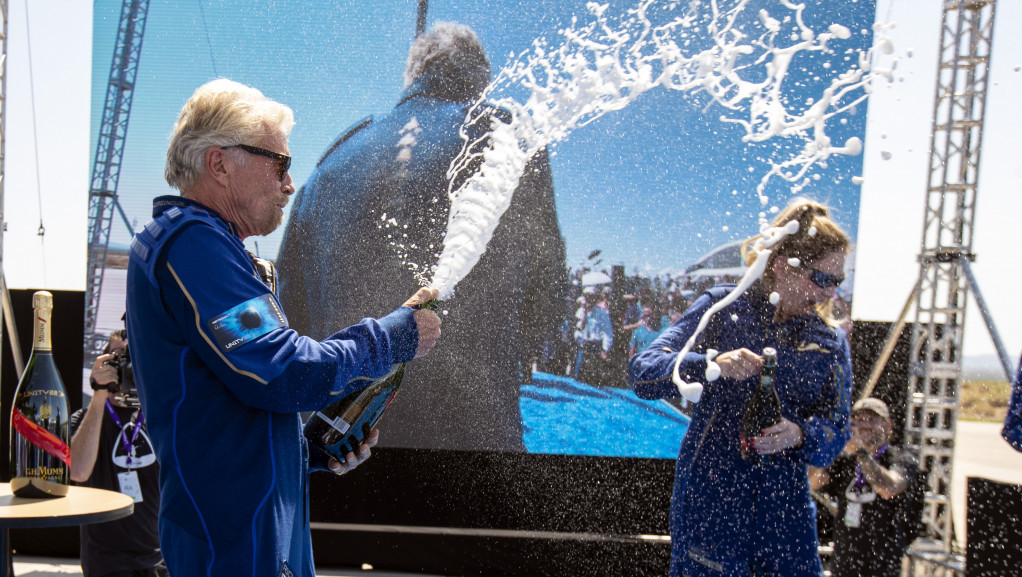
x,y
1012,431
222,380
728,517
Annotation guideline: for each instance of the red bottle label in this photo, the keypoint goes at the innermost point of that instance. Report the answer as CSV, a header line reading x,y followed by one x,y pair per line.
x,y
41,438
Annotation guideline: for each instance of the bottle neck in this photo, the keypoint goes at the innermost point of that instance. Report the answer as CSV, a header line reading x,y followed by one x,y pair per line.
x,y
41,334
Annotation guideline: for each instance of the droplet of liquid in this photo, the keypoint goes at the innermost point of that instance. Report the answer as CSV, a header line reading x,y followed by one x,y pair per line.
x,y
712,371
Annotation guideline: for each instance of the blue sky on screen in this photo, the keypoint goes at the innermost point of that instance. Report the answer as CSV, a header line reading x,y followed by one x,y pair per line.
x,y
654,186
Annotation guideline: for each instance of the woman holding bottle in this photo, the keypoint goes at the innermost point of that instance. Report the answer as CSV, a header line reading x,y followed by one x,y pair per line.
x,y
728,516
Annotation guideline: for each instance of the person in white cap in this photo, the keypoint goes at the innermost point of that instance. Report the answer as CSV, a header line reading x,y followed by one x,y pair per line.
x,y
878,496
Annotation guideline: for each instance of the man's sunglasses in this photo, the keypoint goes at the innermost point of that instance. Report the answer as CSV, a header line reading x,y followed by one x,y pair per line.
x,y
824,279
283,159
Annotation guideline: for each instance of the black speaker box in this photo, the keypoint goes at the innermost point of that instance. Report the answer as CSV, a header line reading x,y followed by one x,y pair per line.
x,y
993,529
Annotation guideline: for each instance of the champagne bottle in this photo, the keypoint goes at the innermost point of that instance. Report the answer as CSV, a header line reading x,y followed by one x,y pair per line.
x,y
40,452
340,428
762,410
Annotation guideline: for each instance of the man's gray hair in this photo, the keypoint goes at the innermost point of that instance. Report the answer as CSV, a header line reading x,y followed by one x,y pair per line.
x,y
220,113
452,56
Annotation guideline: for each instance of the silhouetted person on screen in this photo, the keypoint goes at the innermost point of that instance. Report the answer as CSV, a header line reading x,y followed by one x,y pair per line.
x,y
377,201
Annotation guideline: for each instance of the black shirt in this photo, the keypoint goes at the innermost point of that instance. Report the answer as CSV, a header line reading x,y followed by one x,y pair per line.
x,y
875,547
130,543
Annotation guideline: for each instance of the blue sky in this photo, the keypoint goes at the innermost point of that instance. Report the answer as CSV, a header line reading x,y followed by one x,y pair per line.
x,y
48,146
650,185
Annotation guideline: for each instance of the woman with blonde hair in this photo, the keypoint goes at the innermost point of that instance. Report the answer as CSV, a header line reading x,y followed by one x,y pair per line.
x,y
728,516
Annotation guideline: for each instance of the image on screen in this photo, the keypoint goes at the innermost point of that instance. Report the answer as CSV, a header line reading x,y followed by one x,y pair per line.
x,y
603,163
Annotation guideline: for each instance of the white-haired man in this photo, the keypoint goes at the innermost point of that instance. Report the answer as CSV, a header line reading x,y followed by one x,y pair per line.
x,y
221,376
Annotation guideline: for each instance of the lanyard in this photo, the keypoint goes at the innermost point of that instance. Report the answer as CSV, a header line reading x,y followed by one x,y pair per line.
x,y
136,426
860,478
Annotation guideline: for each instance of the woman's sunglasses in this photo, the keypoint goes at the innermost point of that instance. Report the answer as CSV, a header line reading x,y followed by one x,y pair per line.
x,y
824,279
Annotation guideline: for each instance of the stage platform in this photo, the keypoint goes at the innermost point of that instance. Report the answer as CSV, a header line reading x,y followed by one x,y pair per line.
x,y
53,567
980,452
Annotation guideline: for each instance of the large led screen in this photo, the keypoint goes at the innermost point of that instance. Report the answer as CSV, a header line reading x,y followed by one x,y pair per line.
x,y
652,138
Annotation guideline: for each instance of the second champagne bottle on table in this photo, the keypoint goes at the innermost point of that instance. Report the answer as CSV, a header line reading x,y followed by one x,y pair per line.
x,y
340,428
40,451
762,410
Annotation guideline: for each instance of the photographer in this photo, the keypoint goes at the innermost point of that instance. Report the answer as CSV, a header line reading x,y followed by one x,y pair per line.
x,y
878,494
111,450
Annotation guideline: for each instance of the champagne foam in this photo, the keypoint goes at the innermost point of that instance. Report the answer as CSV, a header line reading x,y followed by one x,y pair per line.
x,y
605,63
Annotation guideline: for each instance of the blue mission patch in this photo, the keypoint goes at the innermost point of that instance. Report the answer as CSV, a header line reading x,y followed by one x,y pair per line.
x,y
247,321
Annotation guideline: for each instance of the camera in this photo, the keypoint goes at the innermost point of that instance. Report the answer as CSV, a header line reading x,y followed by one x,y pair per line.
x,y
124,389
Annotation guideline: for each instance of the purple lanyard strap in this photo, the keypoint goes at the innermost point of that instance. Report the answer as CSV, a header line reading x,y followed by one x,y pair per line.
x,y
136,426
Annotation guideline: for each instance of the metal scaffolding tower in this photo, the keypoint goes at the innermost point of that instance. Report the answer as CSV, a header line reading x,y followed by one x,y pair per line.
x,y
107,166
935,371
